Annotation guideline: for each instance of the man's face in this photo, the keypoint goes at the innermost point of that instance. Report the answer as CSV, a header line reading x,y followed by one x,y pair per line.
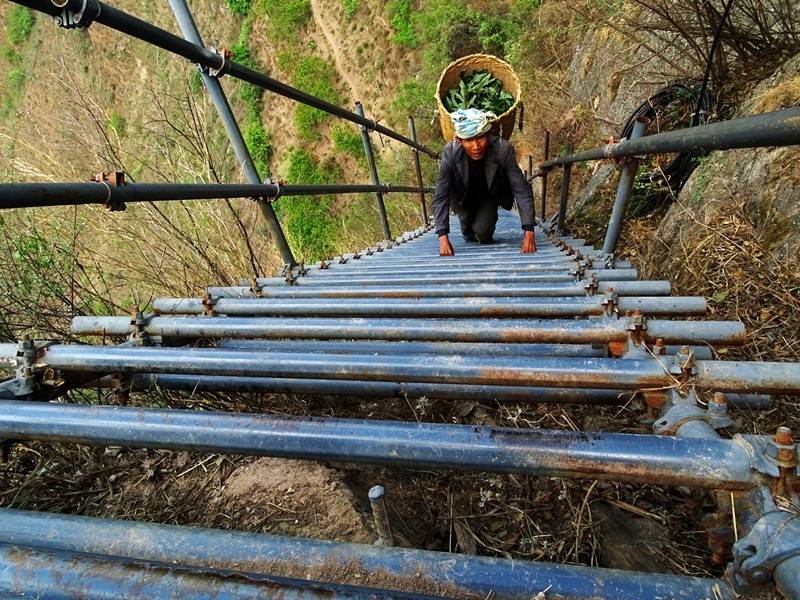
x,y
475,147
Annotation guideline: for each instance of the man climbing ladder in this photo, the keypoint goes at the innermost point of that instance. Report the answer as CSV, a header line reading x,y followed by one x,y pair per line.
x,y
478,173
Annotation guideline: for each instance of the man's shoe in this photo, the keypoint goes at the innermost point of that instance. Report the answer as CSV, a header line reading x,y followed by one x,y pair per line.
x,y
469,236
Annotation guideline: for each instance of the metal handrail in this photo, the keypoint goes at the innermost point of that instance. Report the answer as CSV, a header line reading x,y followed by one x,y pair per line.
x,y
778,128
25,195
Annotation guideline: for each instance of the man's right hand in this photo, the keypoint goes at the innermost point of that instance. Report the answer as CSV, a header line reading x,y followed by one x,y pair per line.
x,y
445,247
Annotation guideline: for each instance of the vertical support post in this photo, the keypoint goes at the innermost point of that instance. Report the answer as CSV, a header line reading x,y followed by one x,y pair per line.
x,y
529,178
378,503
562,209
413,128
217,95
544,175
373,169
624,188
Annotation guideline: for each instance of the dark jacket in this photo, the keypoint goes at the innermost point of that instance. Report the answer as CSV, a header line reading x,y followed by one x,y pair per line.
x,y
504,179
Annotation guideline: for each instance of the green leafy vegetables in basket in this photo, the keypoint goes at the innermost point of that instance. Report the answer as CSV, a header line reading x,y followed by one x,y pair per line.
x,y
479,90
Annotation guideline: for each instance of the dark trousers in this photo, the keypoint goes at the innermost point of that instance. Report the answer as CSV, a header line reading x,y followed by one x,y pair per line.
x,y
479,220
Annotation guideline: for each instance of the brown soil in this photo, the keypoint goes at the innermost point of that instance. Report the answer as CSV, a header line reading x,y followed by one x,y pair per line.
x,y
302,499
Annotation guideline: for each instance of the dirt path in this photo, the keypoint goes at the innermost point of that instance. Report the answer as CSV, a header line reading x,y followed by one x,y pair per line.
x,y
342,62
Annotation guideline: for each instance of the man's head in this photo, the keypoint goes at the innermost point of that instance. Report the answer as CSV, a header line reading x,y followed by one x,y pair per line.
x,y
472,130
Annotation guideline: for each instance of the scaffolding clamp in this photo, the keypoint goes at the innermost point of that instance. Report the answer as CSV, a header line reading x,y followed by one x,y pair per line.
x,y
139,335
255,289
111,179
208,305
610,302
70,18
225,63
591,285
774,538
684,409
637,327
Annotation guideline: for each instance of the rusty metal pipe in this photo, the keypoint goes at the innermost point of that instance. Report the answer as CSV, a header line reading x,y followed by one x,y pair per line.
x,y
595,373
443,573
555,290
430,307
27,572
565,180
714,464
549,331
450,279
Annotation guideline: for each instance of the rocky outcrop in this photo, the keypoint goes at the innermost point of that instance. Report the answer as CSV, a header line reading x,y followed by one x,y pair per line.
x,y
764,183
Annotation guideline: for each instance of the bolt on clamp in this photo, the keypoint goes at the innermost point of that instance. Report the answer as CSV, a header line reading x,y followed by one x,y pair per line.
x,y
139,322
69,18
774,538
610,302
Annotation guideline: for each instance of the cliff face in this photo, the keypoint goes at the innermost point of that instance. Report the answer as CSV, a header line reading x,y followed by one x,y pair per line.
x,y
762,183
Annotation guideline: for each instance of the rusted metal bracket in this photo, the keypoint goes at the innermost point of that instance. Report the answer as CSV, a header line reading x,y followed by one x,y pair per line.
x,y
610,302
81,18
139,322
637,328
111,179
592,285
684,409
255,289
29,376
683,368
208,305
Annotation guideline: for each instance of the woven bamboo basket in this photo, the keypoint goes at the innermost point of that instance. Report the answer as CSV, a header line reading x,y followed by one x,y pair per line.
x,y
501,70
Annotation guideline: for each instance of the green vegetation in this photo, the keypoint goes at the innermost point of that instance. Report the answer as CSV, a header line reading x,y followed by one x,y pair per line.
x,y
350,7
12,56
258,140
347,140
16,79
400,15
260,145
239,7
117,124
479,90
446,29
285,16
19,25
315,76
307,221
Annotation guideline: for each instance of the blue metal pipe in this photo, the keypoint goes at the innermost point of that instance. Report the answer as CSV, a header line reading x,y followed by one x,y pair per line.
x,y
46,574
564,275
417,571
592,373
387,389
373,389
547,331
787,578
439,307
624,188
416,307
405,348
714,464
622,288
